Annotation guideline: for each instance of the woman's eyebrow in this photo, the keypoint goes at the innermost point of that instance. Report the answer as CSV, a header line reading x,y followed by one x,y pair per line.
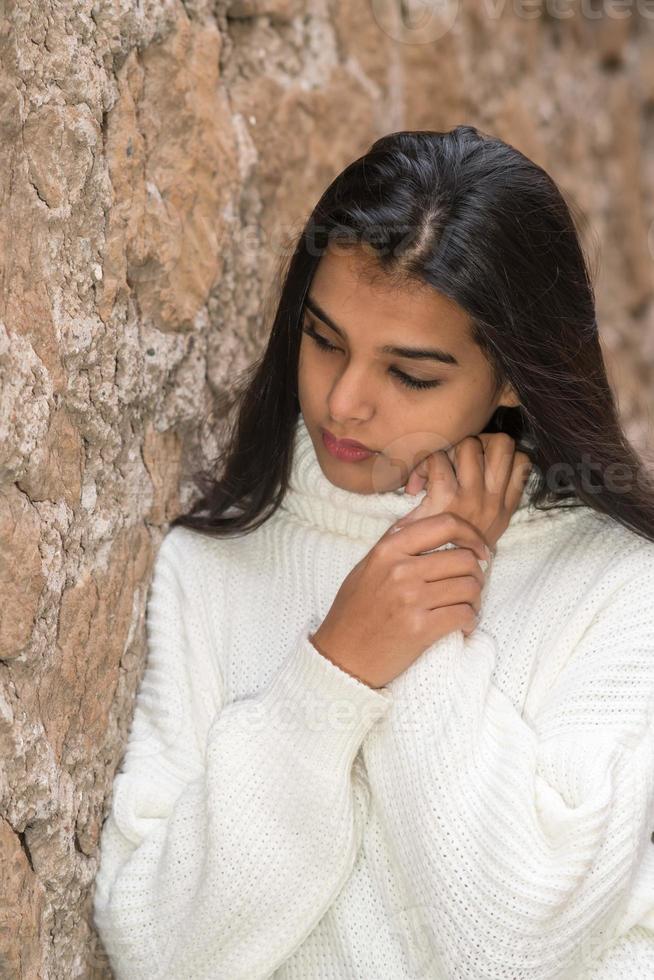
x,y
418,353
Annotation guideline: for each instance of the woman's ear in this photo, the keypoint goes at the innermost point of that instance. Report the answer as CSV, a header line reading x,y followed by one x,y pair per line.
x,y
508,397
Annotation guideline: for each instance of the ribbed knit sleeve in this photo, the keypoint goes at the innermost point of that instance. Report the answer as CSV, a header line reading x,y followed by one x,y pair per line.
x,y
520,838
232,826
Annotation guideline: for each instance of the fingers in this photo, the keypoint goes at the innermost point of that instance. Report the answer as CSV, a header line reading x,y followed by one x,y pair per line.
x,y
460,615
507,471
460,465
442,481
452,591
428,533
417,478
449,564
470,465
436,473
500,450
522,467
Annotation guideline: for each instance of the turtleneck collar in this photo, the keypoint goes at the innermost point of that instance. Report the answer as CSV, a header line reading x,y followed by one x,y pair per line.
x,y
311,497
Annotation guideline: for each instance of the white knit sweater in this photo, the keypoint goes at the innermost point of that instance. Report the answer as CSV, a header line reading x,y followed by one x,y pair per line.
x,y
488,814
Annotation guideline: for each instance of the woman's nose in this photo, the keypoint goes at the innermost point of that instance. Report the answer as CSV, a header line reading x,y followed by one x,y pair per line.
x,y
352,395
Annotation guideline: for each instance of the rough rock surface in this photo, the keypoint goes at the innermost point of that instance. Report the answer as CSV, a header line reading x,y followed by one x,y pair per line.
x,y
155,159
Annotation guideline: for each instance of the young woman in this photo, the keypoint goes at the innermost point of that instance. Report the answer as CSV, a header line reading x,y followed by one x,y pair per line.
x,y
358,750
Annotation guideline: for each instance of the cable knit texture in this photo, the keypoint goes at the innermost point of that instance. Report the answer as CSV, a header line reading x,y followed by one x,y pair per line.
x,y
487,814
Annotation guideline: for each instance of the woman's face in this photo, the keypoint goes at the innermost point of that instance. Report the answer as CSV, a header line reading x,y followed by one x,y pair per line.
x,y
357,391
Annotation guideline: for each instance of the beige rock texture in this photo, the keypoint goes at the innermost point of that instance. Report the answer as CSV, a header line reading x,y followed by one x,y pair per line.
x,y
156,158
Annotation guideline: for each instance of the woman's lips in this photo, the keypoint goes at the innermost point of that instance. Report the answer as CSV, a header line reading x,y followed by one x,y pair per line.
x,y
349,451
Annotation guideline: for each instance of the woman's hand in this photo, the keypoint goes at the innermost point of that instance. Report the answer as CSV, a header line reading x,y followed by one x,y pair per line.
x,y
397,600
480,479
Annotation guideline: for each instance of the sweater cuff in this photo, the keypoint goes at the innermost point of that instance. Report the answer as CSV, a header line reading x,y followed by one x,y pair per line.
x,y
326,711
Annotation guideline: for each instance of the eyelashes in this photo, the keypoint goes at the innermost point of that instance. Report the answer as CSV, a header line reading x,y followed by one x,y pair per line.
x,y
404,379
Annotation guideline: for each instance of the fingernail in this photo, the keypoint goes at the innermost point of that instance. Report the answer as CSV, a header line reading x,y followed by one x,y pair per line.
x,y
487,552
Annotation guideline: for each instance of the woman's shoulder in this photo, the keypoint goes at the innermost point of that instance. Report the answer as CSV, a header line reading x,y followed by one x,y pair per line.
x,y
599,532
615,541
586,559
197,548
214,561
618,561
183,563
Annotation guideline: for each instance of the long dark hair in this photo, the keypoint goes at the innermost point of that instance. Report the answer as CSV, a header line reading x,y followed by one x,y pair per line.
x,y
473,217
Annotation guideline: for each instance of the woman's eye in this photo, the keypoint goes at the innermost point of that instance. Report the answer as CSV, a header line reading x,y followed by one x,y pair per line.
x,y
404,379
410,382
319,340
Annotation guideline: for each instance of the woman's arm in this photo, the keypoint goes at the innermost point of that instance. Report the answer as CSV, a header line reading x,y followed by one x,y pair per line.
x,y
520,841
232,826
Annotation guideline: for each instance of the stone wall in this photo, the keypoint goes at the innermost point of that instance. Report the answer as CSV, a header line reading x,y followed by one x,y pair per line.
x,y
155,159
